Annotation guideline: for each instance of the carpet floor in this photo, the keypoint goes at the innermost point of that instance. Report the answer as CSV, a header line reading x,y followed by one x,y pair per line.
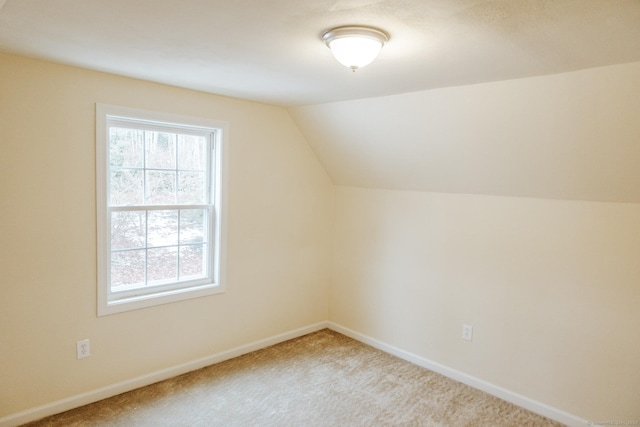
x,y
320,379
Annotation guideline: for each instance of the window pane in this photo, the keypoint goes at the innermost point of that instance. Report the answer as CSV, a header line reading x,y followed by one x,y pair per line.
x,y
126,187
192,263
162,265
192,152
191,187
127,268
192,225
128,230
125,148
162,228
161,150
161,187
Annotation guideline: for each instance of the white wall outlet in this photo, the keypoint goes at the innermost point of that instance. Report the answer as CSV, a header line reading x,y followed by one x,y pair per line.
x,y
83,348
467,332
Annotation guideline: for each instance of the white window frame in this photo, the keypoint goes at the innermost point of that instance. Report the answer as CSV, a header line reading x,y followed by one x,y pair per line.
x,y
115,302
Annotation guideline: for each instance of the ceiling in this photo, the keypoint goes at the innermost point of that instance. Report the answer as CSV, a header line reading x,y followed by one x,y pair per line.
x,y
569,136
270,50
444,108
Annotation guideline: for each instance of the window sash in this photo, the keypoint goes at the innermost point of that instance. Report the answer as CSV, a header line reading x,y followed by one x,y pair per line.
x,y
148,287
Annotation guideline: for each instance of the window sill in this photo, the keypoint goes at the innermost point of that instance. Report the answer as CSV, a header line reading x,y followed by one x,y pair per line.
x,y
106,307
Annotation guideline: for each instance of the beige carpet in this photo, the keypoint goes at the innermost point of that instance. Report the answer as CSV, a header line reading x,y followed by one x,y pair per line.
x,y
321,379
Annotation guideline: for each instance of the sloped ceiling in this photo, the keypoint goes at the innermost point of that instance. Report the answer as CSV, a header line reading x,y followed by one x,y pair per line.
x,y
468,96
567,136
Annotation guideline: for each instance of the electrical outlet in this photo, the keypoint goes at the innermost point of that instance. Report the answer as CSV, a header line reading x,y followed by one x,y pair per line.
x,y
467,332
83,348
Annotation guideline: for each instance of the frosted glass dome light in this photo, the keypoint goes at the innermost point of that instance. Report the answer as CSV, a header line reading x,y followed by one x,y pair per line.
x,y
355,47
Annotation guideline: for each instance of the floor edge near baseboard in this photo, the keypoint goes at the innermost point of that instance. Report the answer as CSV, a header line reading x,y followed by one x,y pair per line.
x,y
153,377
502,393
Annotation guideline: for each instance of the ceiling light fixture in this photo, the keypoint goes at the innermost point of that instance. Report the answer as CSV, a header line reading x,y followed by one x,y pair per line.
x,y
355,46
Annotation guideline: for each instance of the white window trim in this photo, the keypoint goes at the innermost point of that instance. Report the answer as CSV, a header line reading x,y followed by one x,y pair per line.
x,y
218,246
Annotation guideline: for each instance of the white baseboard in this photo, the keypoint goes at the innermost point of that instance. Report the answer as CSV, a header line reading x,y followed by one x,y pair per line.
x,y
504,394
144,380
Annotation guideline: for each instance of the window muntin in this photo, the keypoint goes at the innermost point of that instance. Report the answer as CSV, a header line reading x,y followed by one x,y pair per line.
x,y
161,219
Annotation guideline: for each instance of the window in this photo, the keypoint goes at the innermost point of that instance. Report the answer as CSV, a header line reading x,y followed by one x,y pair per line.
x,y
159,188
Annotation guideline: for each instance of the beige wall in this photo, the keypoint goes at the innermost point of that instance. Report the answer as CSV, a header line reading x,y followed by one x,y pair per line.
x,y
552,289
279,214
